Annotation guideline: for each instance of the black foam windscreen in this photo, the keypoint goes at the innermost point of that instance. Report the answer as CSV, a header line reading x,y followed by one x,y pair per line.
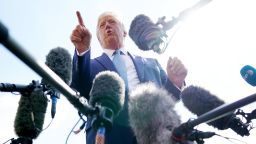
x,y
143,32
30,115
59,61
108,90
200,101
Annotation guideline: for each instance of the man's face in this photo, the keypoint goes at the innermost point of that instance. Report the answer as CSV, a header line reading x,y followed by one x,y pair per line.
x,y
110,32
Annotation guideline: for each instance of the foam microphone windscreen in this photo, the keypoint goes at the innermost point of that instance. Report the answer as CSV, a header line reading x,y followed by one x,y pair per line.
x,y
59,61
200,101
141,30
152,115
30,115
108,90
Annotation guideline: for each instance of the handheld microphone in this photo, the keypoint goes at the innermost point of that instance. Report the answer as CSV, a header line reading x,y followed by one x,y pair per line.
x,y
59,61
249,74
107,94
200,101
54,97
30,115
152,115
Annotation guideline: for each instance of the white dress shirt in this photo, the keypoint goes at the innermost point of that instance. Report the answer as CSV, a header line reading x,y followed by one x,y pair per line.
x,y
132,75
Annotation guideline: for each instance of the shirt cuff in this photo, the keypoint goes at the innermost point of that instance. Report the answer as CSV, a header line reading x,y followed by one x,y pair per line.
x,y
182,87
81,54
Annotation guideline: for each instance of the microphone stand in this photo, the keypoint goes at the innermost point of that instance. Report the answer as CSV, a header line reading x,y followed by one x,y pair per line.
x,y
165,26
222,111
248,116
184,131
102,121
187,133
26,91
182,15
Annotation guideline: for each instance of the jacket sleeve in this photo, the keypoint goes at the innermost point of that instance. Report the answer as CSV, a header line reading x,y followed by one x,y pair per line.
x,y
81,74
168,85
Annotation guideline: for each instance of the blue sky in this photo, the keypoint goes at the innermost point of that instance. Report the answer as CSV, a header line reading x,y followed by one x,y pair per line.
x,y
214,44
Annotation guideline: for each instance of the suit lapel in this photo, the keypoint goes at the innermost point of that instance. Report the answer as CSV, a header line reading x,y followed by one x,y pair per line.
x,y
106,62
139,66
137,61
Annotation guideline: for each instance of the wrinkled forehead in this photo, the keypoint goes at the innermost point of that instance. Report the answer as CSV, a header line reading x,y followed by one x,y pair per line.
x,y
109,15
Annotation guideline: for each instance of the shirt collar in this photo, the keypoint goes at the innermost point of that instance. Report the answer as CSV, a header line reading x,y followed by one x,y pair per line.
x,y
110,52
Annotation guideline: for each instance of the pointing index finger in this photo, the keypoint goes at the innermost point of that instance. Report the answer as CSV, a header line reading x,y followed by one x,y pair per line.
x,y
80,19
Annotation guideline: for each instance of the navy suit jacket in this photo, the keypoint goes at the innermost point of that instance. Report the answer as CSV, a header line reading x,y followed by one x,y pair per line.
x,y
148,70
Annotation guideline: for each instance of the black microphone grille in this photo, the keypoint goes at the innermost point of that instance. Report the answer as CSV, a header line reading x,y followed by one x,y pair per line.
x,y
30,115
198,100
141,27
108,89
59,61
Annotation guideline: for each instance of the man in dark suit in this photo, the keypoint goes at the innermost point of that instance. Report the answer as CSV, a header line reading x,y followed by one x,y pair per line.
x,y
111,34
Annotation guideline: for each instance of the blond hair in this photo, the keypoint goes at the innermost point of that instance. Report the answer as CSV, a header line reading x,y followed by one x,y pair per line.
x,y
110,13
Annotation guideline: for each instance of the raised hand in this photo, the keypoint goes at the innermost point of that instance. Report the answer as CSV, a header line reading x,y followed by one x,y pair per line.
x,y
176,71
81,36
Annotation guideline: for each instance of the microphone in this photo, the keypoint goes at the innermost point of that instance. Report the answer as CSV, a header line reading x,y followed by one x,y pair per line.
x,y
8,87
107,95
33,103
249,74
30,115
59,61
147,35
152,115
200,101
152,36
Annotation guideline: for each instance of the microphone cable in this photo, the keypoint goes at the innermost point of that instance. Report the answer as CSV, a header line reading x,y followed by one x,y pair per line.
x,y
11,139
172,36
80,128
230,139
48,125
